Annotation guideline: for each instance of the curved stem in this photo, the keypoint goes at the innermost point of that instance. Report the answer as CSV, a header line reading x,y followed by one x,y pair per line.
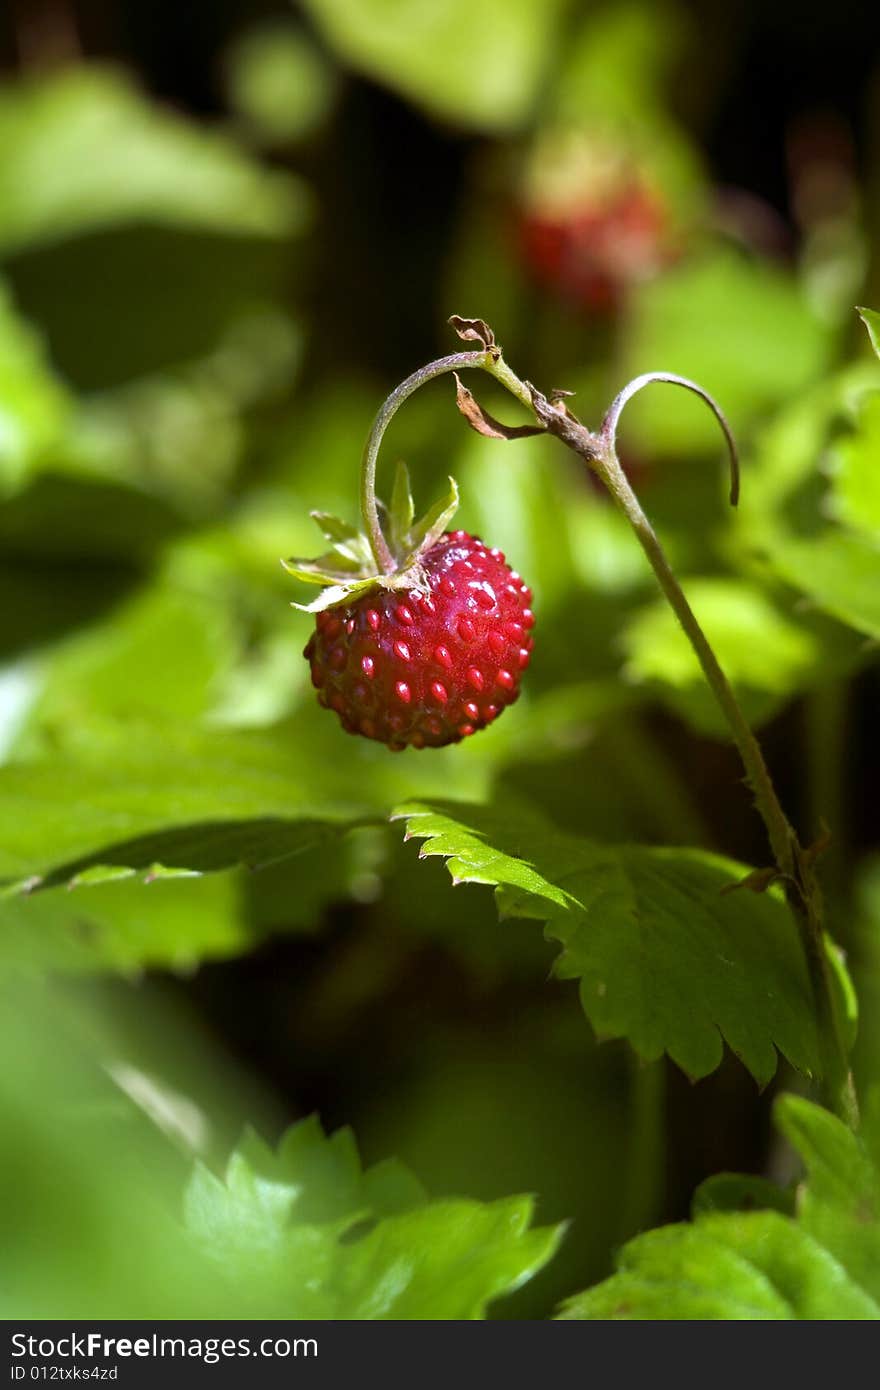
x,y
609,424
456,361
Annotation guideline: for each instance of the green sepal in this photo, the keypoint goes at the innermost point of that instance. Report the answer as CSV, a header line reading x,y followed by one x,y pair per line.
x,y
349,569
402,510
338,593
347,540
327,569
432,525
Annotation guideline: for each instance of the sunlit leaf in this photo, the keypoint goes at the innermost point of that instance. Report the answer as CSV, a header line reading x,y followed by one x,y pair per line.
x,y
162,653
765,652
807,511
840,572
283,1228
34,407
822,1263
84,149
663,955
855,497
478,65
746,1268
840,1202
121,927
739,327
138,793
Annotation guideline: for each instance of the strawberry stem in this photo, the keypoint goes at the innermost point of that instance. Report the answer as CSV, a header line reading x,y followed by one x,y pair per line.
x,y
386,562
608,433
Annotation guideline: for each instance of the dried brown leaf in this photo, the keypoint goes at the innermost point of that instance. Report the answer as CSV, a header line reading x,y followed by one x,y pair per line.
x,y
474,331
484,423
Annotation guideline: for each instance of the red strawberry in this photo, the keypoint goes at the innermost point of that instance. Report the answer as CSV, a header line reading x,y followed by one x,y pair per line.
x,y
593,254
427,667
593,220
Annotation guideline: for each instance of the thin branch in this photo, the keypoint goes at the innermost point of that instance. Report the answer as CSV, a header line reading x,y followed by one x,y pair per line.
x,y
608,432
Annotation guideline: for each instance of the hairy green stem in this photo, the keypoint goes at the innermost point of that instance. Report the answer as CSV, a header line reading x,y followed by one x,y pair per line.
x,y
792,860
456,361
825,716
779,831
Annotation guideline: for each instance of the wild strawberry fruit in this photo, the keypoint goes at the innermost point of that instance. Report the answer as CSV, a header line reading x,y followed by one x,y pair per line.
x,y
429,648
593,254
592,222
430,666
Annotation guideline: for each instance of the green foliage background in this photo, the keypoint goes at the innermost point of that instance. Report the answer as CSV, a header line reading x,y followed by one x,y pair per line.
x,y
225,933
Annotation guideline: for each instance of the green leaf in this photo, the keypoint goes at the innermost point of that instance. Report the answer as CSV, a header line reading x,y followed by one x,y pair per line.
x,y
402,509
740,327
840,1203
766,655
301,1231
821,1262
120,926
812,531
168,793
107,920
871,320
840,572
84,149
855,495
783,481
165,793
34,407
197,847
326,1176
288,1230
745,1268
663,955
162,653
479,65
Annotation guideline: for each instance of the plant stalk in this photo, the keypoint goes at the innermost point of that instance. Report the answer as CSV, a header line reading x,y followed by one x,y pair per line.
x,y
793,861
456,361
